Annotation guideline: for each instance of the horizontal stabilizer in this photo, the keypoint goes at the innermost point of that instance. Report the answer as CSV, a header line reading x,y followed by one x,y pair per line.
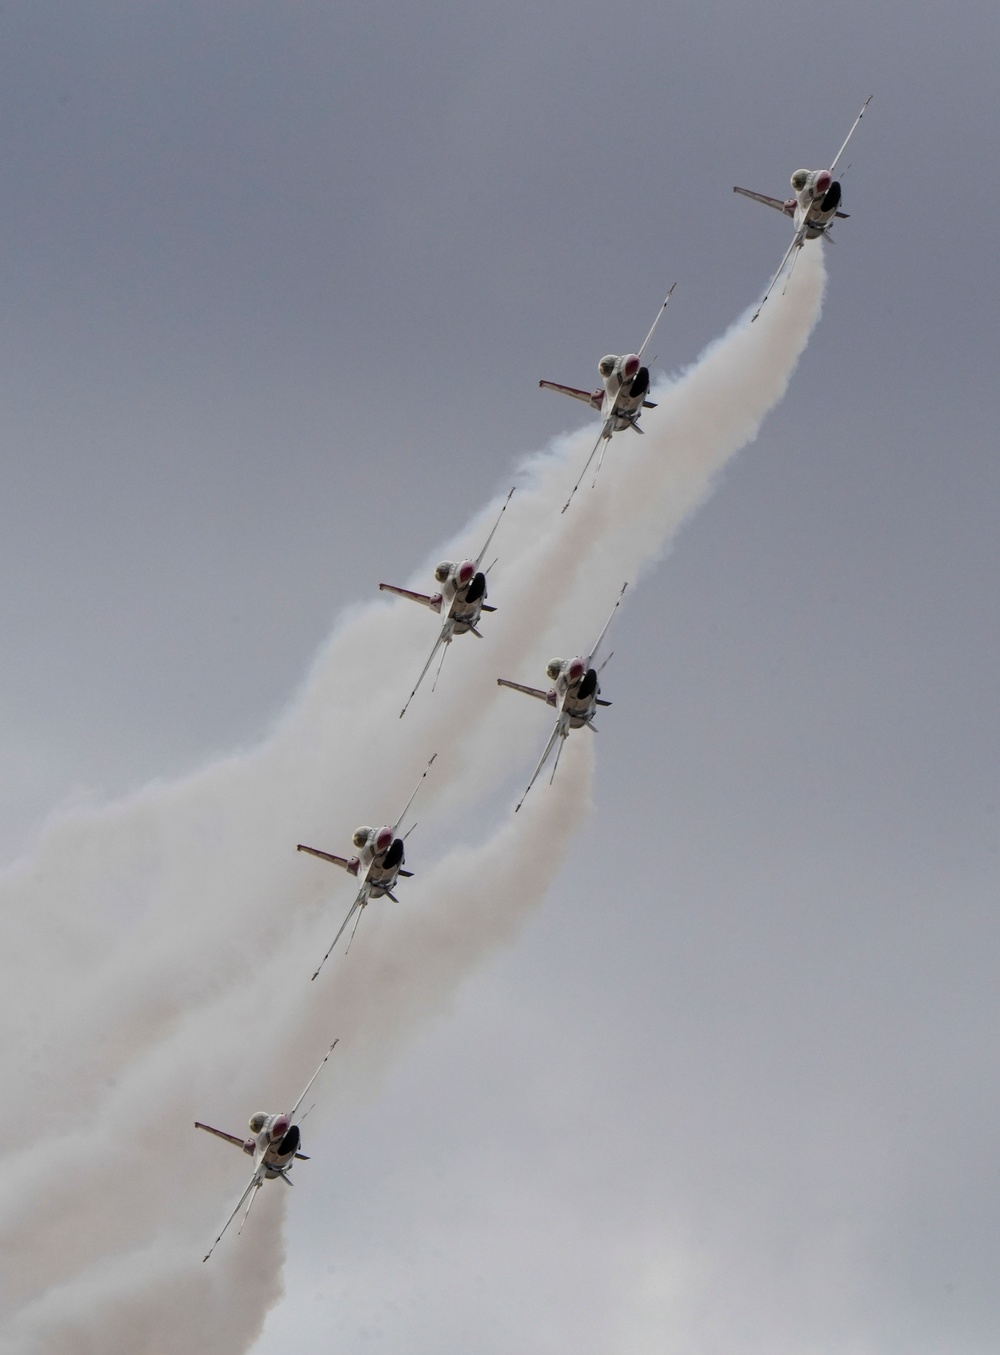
x,y
779,204
519,687
434,603
407,873
326,856
488,608
220,1134
649,404
593,398
601,701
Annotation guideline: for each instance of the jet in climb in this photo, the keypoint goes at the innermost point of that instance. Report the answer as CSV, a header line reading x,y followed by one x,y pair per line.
x,y
274,1145
575,693
461,598
813,208
621,398
378,864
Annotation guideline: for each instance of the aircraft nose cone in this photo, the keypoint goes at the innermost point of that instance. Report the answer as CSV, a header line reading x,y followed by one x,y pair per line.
x,y
576,670
630,366
466,571
823,181
384,840
279,1128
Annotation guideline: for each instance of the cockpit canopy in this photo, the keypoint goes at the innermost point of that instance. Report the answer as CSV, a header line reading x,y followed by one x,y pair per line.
x,y
361,836
800,178
607,364
257,1121
553,669
443,571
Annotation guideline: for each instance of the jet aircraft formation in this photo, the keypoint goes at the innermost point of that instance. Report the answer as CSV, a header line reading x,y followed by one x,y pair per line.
x,y
574,693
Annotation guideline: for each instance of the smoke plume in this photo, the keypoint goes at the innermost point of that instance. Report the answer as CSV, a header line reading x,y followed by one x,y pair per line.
x,y
158,950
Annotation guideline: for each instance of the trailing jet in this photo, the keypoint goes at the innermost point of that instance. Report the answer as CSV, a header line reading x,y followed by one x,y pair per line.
x,y
575,693
621,399
813,208
274,1147
378,863
462,598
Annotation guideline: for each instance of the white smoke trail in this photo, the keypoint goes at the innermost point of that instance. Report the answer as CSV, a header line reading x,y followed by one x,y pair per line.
x,y
159,949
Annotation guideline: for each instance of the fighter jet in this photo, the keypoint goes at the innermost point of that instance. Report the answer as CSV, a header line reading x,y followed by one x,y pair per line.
x,y
813,208
575,693
378,863
621,399
462,597
274,1147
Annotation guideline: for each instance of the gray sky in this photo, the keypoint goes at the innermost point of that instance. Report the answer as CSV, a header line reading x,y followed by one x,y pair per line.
x,y
279,283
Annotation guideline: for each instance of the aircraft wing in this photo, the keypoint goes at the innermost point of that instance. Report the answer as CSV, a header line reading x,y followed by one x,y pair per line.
x,y
443,639
604,433
358,903
220,1133
597,645
486,543
553,739
797,240
315,1075
256,1181
395,826
434,603
652,328
325,856
593,398
851,133
519,687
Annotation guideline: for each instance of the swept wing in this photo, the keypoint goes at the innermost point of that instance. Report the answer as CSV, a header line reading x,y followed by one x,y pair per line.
x,y
608,429
597,643
256,1181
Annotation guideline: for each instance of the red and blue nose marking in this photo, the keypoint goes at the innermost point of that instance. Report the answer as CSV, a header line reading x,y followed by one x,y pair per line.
x,y
823,181
630,365
383,840
576,670
465,572
279,1128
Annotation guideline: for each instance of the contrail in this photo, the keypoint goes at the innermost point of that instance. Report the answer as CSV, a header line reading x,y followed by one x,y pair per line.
x,y
158,950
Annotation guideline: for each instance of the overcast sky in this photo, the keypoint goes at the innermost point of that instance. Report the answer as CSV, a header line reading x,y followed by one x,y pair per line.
x,y
279,282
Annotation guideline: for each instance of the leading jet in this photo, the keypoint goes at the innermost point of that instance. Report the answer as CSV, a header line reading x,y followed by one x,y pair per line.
x,y
378,864
813,208
575,693
274,1147
621,399
462,598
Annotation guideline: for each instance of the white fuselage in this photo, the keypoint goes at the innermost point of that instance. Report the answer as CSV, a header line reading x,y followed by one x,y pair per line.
x,y
379,859
576,692
267,1142
626,385
463,592
815,205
